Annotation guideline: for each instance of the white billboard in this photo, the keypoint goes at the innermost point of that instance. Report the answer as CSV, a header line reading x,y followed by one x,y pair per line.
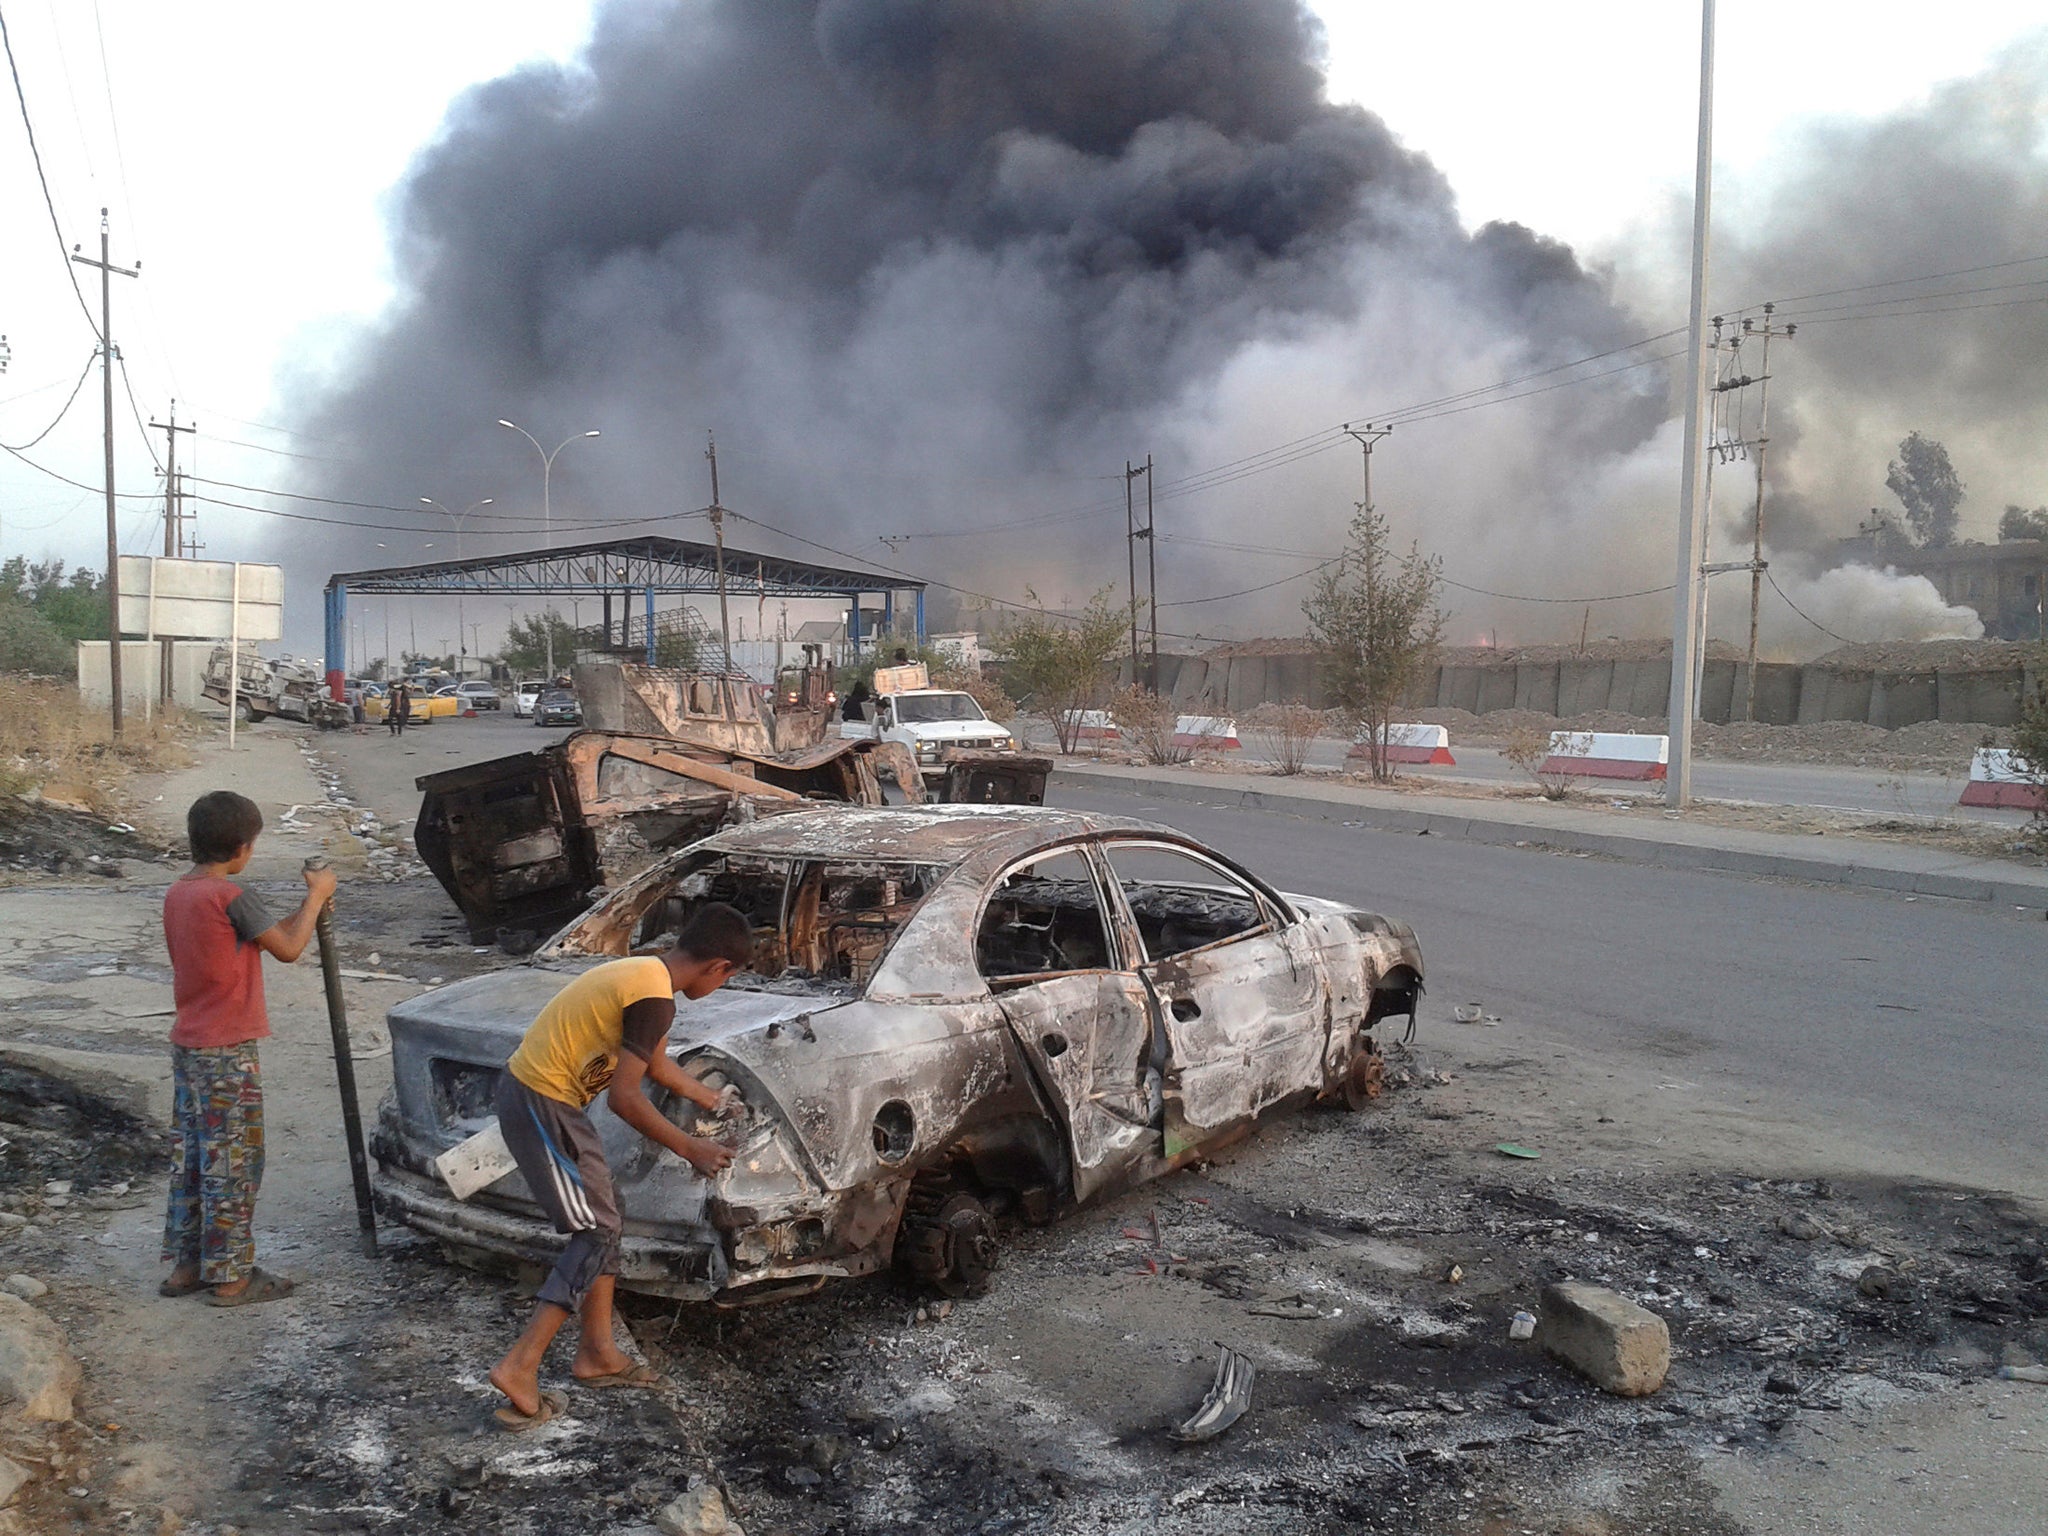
x,y
198,599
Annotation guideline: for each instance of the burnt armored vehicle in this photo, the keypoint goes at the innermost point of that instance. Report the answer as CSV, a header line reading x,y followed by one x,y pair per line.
x,y
956,1012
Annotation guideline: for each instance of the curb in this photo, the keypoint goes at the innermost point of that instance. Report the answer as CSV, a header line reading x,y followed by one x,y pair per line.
x,y
1499,832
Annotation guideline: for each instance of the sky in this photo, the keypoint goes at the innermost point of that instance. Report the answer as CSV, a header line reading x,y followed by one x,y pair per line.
x,y
248,153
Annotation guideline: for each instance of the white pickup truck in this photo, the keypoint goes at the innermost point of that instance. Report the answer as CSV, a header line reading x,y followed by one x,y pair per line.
x,y
929,721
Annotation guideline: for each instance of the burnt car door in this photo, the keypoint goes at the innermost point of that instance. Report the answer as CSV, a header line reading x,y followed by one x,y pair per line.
x,y
1241,996
1050,950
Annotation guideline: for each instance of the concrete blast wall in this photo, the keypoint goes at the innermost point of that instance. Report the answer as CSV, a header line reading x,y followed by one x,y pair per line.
x,y
1785,694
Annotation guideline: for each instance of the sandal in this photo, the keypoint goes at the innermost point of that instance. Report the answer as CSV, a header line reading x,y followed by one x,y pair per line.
x,y
186,1288
263,1286
513,1422
639,1374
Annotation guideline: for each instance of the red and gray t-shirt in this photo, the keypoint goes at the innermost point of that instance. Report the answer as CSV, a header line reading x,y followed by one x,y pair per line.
x,y
210,927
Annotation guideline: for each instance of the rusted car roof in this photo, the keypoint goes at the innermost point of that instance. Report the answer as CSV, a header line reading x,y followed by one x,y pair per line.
x,y
931,834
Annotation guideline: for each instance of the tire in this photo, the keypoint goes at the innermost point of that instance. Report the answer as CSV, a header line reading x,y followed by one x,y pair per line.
x,y
244,715
949,1242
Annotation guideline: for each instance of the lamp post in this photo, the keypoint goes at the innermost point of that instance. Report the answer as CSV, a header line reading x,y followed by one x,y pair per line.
x,y
547,515
456,518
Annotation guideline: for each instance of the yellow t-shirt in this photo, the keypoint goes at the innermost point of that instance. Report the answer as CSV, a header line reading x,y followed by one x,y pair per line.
x,y
572,1049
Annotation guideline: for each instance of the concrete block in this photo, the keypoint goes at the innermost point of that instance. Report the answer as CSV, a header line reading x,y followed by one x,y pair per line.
x,y
1641,688
1536,687
1618,1346
1583,686
1842,695
1978,698
1777,692
1721,691
37,1370
1496,689
1190,678
1461,689
1289,679
1902,698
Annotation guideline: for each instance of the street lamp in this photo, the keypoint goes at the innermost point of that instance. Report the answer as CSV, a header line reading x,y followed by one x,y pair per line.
x,y
456,518
547,515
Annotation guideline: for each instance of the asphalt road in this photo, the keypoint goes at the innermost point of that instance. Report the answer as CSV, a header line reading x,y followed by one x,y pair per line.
x,y
1914,1025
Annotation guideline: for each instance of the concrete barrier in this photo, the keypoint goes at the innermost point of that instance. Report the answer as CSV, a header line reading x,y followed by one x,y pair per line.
x,y
1996,779
1211,733
1607,755
1412,744
1094,725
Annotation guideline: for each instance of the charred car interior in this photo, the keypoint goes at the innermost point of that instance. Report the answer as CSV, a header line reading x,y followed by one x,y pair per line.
x,y
956,1014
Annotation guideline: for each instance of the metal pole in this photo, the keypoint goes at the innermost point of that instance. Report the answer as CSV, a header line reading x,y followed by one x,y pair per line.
x,y
1131,559
345,1070
1151,580
718,536
1756,562
1685,614
107,410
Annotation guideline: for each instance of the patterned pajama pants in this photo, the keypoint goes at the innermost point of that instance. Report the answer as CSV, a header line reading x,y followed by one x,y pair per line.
x,y
217,1112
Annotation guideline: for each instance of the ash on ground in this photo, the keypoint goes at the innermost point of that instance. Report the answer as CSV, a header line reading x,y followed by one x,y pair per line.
x,y
57,1132
37,837
1388,1397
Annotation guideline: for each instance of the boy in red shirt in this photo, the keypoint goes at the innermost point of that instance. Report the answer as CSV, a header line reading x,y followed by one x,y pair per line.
x,y
217,934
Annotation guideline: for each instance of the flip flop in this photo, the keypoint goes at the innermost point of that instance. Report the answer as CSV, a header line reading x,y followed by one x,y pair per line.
x,y
263,1286
513,1422
189,1288
638,1374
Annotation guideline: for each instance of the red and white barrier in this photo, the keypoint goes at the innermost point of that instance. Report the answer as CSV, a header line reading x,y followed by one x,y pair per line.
x,y
1996,780
1607,755
1412,744
1210,733
1093,725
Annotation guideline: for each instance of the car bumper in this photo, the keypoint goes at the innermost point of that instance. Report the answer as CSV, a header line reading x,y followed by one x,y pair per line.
x,y
687,1266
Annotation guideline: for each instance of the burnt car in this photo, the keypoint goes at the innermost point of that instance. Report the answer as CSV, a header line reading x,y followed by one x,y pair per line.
x,y
956,1013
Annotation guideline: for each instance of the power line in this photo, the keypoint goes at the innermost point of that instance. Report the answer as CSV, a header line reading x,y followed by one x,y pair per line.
x,y
1901,282
35,154
1196,602
63,411
128,387
1816,623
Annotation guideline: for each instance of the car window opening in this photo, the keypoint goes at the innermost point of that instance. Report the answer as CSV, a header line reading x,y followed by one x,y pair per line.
x,y
817,925
1043,918
1181,903
932,708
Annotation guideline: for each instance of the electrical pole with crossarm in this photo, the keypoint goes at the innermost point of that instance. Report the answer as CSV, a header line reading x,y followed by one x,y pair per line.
x,y
174,528
107,271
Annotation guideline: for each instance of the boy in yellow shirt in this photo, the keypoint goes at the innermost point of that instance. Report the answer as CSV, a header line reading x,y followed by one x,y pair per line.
x,y
603,1032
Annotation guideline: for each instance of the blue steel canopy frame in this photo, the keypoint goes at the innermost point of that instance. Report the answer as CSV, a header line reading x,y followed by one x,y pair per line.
x,y
649,564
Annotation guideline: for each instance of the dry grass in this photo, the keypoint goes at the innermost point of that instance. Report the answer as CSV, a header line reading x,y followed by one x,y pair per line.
x,y
1149,722
52,746
1280,735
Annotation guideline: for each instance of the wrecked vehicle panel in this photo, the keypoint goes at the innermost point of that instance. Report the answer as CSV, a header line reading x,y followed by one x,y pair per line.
x,y
521,841
955,1012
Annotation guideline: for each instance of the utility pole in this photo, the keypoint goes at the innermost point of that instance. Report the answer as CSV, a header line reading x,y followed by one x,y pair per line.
x,y
1756,565
1131,559
1151,581
174,528
718,538
1365,437
1685,616
107,271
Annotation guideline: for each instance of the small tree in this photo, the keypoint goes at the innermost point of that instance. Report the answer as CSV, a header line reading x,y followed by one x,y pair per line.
x,y
526,643
2019,523
1928,488
1281,735
1377,624
1150,722
2030,750
1061,663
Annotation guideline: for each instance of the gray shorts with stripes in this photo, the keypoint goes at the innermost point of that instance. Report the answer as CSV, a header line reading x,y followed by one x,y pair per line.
x,y
562,1161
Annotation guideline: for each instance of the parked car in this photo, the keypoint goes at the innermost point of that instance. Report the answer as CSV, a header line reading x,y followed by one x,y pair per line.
x,y
955,1013
558,706
524,697
478,694
443,703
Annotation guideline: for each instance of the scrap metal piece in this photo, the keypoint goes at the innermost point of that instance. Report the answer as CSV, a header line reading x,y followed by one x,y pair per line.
x,y
1229,1396
520,841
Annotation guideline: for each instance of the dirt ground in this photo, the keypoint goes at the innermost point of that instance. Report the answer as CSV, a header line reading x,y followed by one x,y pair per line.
x,y
1835,1325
